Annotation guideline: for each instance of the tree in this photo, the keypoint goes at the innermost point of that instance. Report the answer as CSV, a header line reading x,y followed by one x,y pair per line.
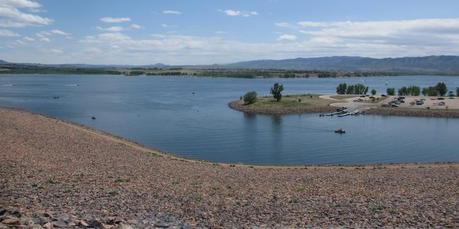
x,y
276,91
425,91
457,91
373,92
250,97
390,91
365,91
441,88
341,89
403,91
432,91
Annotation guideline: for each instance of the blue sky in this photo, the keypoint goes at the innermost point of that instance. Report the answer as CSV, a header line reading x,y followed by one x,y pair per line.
x,y
212,31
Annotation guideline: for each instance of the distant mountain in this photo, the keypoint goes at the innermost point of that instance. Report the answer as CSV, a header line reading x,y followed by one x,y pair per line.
x,y
423,65
448,65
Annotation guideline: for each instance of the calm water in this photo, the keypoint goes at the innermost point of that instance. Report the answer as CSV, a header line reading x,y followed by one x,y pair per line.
x,y
163,112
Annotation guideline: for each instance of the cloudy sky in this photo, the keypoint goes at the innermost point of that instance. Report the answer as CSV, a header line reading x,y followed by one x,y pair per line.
x,y
217,31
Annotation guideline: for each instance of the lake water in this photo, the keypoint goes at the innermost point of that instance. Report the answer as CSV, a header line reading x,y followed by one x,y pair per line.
x,y
189,117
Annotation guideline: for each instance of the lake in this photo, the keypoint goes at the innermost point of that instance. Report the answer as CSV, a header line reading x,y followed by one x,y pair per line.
x,y
189,117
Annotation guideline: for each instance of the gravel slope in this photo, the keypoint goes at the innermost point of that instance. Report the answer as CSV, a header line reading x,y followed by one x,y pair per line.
x,y
50,167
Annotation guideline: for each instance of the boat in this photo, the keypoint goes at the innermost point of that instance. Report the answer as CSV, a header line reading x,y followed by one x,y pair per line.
x,y
340,131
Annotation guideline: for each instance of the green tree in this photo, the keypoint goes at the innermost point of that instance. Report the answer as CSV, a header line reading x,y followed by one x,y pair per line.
x,y
276,91
425,91
403,91
250,97
432,91
373,92
390,91
441,88
341,89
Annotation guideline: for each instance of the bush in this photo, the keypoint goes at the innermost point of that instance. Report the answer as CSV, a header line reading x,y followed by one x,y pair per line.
x,y
373,92
390,91
276,91
250,97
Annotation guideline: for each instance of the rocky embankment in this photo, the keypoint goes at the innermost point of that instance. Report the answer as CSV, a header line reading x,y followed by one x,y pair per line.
x,y
56,175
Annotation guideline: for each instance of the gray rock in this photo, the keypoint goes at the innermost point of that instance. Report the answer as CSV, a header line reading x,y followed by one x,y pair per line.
x,y
124,226
11,221
60,223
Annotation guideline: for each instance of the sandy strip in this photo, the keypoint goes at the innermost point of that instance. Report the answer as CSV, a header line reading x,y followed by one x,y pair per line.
x,y
48,165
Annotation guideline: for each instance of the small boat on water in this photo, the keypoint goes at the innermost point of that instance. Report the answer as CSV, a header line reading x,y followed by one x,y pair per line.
x,y
340,131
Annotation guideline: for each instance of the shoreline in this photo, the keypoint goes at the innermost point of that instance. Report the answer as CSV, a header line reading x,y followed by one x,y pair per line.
x,y
57,173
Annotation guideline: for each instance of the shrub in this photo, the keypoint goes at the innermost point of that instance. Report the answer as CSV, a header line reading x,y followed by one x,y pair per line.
x,y
250,97
373,92
390,91
276,91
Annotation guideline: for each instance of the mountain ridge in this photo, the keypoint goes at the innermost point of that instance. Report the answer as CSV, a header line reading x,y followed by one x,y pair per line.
x,y
426,64
444,64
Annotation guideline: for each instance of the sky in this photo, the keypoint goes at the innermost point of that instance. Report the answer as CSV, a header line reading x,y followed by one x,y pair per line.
x,y
142,32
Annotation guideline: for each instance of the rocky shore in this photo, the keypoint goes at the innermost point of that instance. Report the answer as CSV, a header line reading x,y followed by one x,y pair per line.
x,y
58,175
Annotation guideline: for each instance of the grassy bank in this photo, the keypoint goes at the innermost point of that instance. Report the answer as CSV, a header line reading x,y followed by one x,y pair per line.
x,y
290,104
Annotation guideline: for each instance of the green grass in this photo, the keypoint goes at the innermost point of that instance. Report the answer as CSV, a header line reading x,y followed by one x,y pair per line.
x,y
291,101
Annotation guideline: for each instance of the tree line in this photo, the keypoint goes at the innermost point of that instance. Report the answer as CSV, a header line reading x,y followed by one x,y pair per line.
x,y
356,89
440,89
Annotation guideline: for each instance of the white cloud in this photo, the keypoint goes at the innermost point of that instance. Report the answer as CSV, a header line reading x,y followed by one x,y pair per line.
x,y
44,39
30,39
57,51
111,28
20,3
287,37
173,12
135,26
7,33
234,13
115,20
60,32
11,15
46,36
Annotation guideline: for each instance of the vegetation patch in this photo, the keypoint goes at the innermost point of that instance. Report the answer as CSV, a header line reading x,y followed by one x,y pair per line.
x,y
290,104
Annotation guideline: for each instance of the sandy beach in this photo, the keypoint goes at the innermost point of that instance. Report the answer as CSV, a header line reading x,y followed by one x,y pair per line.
x,y
57,174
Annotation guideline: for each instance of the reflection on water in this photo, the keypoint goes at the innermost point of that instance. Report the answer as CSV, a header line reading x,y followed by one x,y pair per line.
x,y
190,117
